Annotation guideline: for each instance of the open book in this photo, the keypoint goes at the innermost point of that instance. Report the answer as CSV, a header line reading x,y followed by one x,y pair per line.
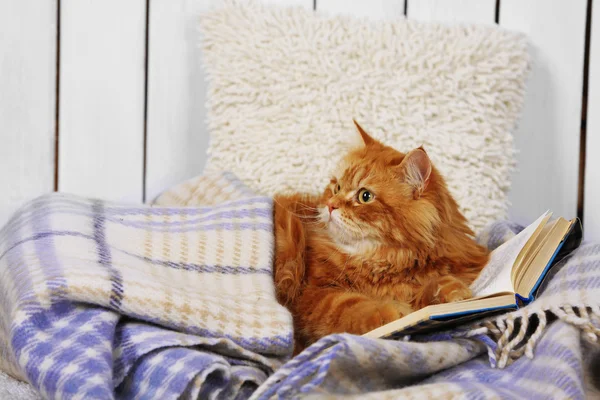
x,y
510,279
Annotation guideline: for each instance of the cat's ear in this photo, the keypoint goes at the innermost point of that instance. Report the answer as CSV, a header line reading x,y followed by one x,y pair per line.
x,y
416,168
360,137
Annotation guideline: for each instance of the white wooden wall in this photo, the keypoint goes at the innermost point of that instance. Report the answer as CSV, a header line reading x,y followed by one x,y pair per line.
x,y
101,106
27,101
106,98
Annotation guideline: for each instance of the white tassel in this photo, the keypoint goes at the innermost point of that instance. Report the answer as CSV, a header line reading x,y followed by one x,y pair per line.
x,y
500,330
501,352
567,314
536,335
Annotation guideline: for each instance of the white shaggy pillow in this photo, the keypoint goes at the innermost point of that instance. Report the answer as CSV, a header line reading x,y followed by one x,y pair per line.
x,y
285,83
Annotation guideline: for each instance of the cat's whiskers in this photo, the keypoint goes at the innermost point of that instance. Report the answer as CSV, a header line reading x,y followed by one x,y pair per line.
x,y
305,218
307,207
309,219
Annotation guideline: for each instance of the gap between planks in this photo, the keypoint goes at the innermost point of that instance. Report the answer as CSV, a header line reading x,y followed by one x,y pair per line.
x,y
57,97
584,106
145,140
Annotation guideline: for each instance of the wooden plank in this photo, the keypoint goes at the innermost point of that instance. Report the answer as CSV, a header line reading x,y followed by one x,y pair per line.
x,y
102,74
591,202
177,135
548,134
475,11
27,101
374,9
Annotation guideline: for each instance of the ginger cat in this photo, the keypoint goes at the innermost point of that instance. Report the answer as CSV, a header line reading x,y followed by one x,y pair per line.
x,y
385,238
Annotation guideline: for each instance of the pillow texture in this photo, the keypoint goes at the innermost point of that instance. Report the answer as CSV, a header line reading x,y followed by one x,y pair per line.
x,y
285,84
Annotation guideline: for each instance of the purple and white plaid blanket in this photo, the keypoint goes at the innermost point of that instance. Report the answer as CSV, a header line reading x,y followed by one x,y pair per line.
x,y
101,301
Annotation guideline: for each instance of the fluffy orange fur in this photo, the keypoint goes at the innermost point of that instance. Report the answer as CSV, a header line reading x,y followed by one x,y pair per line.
x,y
384,239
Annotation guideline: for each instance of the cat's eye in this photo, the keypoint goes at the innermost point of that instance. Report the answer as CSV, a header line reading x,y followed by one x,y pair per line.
x,y
364,196
336,188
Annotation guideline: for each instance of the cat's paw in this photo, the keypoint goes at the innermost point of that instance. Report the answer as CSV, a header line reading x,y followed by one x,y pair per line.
x,y
381,313
458,294
451,289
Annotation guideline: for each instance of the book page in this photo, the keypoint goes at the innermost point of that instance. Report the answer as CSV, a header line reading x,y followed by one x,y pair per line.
x,y
540,265
496,276
525,265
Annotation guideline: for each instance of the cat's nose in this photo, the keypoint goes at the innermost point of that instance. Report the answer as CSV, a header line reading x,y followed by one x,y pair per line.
x,y
331,207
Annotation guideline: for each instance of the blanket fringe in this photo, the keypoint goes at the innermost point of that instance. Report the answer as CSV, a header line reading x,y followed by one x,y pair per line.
x,y
512,337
